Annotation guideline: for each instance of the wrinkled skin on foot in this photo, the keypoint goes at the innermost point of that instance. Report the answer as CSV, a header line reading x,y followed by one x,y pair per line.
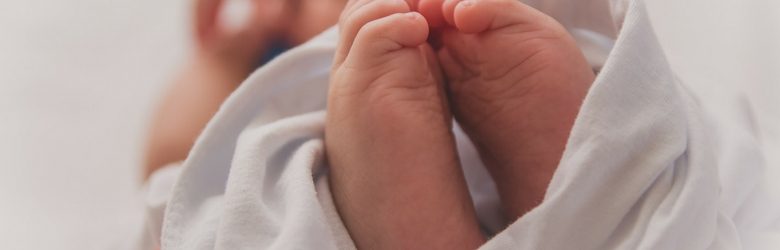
x,y
516,80
394,170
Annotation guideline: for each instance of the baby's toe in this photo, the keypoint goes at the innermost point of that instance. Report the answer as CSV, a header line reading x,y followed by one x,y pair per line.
x,y
383,36
432,10
472,16
357,15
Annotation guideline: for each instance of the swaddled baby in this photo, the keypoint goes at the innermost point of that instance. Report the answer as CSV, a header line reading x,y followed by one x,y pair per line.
x,y
510,75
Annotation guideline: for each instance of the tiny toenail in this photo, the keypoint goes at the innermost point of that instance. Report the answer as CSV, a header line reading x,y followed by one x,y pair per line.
x,y
411,15
466,3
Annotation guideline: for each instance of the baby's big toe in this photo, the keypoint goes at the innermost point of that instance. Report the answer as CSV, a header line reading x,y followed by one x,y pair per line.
x,y
379,38
471,16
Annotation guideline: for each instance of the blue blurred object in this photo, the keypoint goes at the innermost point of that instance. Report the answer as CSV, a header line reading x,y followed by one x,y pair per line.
x,y
277,48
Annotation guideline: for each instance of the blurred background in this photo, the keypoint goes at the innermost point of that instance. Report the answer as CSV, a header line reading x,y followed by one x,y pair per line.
x,y
79,80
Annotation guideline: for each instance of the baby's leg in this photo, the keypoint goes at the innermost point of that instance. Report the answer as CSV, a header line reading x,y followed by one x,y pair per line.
x,y
187,106
393,166
221,60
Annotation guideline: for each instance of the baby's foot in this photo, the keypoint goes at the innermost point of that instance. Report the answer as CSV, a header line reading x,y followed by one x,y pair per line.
x,y
393,166
517,80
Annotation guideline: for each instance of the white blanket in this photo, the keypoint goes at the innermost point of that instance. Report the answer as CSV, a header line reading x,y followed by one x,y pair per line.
x,y
642,169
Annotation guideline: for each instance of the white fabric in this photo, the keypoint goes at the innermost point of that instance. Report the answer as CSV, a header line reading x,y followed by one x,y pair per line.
x,y
642,169
157,193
